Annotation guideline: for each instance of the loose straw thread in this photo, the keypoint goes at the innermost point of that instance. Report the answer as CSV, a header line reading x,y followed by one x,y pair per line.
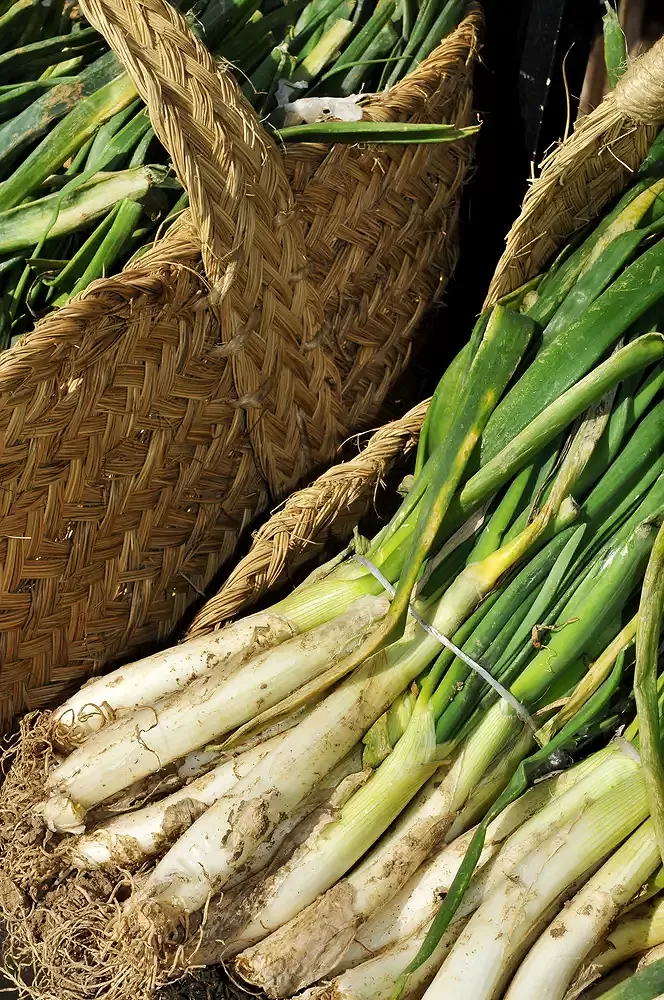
x,y
640,93
506,695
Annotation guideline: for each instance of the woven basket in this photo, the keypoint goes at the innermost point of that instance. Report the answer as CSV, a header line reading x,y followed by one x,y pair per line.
x,y
42,927
577,179
146,424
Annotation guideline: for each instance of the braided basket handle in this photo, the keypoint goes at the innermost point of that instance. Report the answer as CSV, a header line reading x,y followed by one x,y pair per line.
x,y
262,303
333,503
299,525
585,172
233,173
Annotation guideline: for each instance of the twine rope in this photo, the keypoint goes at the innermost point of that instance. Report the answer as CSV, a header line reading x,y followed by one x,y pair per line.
x,y
585,172
639,94
506,695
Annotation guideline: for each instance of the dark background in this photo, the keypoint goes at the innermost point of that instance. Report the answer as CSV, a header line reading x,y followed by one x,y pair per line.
x,y
520,97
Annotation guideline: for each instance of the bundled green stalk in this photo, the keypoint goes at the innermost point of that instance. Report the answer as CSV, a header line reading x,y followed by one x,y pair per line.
x,y
501,626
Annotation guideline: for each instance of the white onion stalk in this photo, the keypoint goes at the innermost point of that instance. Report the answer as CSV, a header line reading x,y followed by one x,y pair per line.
x,y
334,847
552,962
220,843
131,839
376,977
318,809
637,930
146,681
328,796
413,906
326,593
180,772
483,957
536,797
206,947
317,937
147,740
323,802
653,955
160,784
524,823
491,784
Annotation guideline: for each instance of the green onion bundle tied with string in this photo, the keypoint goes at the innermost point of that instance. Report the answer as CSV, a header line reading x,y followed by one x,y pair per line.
x,y
297,791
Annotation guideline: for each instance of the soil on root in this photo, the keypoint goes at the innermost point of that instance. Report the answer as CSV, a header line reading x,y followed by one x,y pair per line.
x,y
26,848
204,984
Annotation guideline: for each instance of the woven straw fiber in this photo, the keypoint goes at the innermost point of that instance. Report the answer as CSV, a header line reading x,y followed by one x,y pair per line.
x,y
147,423
576,181
582,175
373,220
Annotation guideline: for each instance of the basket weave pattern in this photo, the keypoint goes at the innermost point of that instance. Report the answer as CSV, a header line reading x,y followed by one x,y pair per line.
x,y
326,510
373,220
577,180
146,424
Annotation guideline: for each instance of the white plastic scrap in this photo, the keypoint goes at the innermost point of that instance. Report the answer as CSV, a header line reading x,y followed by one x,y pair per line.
x,y
286,89
314,109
